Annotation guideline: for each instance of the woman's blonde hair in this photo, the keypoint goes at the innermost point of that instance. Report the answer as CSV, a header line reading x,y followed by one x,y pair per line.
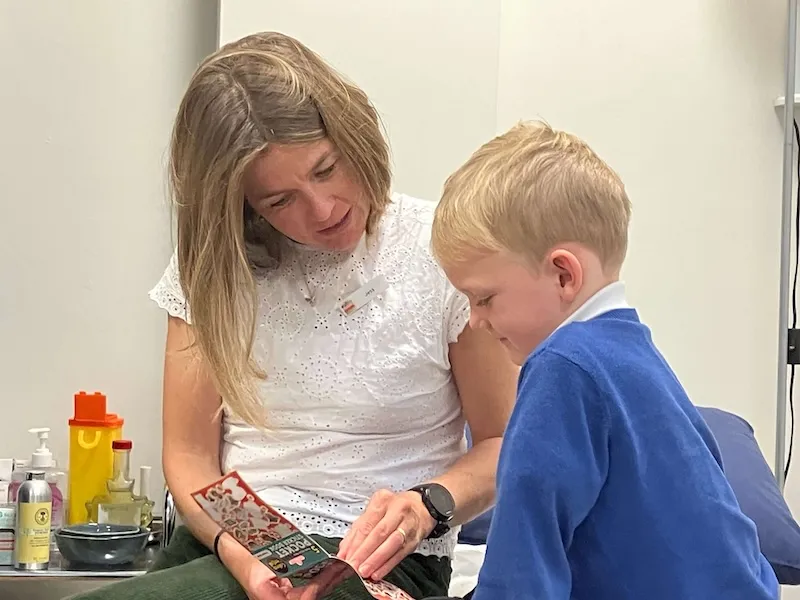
x,y
527,190
263,89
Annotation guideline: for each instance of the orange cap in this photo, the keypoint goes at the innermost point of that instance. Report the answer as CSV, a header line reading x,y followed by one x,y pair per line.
x,y
90,411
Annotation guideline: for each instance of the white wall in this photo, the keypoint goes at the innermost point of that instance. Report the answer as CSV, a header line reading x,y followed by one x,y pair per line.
x,y
86,103
430,68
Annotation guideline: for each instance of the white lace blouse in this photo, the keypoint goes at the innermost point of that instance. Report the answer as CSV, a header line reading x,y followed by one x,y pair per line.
x,y
355,403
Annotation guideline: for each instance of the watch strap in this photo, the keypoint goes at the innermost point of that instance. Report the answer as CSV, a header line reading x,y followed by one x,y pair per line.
x,y
442,522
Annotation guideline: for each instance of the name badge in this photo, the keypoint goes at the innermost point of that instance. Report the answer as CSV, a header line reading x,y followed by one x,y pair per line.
x,y
363,295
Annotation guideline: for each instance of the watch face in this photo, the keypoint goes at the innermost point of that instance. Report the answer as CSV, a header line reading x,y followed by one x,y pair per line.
x,y
441,500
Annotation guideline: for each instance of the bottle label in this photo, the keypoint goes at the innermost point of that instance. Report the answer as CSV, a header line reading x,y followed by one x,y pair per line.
x,y
32,541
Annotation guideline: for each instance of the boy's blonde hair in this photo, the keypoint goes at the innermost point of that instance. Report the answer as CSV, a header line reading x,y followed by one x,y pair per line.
x,y
528,190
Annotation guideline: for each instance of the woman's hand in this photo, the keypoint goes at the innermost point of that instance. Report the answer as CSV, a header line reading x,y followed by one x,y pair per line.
x,y
390,529
260,583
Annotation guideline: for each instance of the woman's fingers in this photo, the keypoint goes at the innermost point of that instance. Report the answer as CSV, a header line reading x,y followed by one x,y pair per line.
x,y
365,524
390,529
383,532
389,564
389,554
345,544
261,584
267,590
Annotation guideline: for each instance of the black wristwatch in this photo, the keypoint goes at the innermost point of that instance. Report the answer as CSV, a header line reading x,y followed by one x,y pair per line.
x,y
440,505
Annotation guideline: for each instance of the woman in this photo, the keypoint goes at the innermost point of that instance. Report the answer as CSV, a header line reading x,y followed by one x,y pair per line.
x,y
304,303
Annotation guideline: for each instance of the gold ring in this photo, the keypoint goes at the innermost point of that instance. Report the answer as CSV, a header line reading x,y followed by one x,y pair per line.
x,y
402,532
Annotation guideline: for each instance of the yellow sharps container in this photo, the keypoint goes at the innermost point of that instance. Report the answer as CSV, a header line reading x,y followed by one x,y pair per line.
x,y
91,459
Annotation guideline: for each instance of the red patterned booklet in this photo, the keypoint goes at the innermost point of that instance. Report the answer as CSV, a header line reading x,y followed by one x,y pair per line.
x,y
277,542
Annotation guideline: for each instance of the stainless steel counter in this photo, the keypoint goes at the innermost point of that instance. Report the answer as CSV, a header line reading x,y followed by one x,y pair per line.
x,y
63,579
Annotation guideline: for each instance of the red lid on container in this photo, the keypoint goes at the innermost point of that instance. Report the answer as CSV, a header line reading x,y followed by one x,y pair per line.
x,y
121,445
90,411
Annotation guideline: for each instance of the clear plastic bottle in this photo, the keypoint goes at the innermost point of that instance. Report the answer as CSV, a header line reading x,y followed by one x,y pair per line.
x,y
119,505
144,495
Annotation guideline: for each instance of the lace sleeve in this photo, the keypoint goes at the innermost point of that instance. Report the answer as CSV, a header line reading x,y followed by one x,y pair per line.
x,y
456,313
168,293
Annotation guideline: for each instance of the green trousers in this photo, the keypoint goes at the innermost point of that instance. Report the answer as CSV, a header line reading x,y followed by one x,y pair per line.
x,y
187,570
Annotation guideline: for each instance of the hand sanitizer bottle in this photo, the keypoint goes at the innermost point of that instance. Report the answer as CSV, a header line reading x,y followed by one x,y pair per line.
x,y
41,460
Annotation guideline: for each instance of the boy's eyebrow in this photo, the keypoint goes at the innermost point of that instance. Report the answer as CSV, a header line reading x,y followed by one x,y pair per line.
x,y
475,293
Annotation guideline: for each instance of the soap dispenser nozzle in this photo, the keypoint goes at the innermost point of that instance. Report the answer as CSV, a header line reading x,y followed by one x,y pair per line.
x,y
42,457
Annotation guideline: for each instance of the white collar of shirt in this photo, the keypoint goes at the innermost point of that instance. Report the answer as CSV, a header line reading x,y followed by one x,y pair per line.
x,y
611,297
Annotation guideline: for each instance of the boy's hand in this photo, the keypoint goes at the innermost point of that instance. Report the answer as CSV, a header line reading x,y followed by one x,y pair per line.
x,y
390,529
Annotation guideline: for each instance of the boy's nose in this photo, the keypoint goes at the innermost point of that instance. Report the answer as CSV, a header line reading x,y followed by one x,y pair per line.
x,y
476,321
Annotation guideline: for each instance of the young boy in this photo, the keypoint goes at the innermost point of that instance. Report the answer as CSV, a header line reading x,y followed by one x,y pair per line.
x,y
610,484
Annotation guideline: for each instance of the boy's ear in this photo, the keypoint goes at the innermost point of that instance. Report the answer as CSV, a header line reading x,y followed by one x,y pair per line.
x,y
569,271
